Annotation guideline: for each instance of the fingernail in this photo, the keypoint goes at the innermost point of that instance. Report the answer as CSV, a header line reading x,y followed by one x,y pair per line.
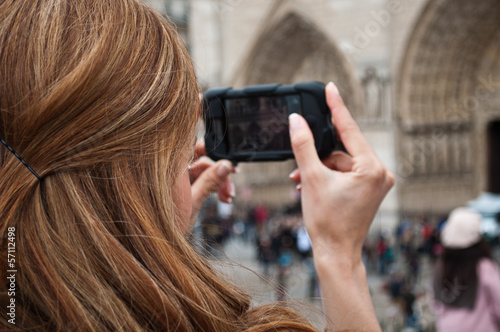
x,y
335,89
237,170
230,201
298,187
232,190
224,169
292,175
295,121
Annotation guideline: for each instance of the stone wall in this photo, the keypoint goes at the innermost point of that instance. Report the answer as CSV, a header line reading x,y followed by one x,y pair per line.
x,y
448,93
421,77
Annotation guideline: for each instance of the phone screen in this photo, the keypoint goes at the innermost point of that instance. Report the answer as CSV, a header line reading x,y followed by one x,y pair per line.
x,y
260,123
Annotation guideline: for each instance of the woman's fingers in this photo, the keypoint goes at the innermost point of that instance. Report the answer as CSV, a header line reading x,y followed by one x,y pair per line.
x,y
210,180
227,191
198,167
199,150
354,141
295,175
337,161
348,130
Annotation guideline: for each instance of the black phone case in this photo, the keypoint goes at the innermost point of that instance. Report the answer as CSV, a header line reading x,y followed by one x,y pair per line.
x,y
314,110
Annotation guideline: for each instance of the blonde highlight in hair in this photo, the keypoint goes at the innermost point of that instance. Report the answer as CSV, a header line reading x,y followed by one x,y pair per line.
x,y
101,99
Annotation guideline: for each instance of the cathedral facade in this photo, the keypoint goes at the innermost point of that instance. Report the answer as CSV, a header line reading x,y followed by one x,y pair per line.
x,y
421,77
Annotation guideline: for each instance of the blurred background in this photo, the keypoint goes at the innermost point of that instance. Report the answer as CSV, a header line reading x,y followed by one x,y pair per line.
x,y
422,79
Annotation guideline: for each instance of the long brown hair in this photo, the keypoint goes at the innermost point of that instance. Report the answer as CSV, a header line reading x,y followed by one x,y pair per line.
x,y
456,280
101,99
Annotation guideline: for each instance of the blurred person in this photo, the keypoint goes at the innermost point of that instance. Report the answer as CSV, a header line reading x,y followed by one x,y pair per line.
x,y
408,299
406,237
412,262
394,285
212,231
399,232
417,241
436,248
305,250
381,249
283,245
390,257
249,234
370,256
426,237
400,290
303,242
265,253
467,281
261,217
100,182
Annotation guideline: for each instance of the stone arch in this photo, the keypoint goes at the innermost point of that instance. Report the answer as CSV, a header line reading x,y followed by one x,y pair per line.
x,y
441,117
293,49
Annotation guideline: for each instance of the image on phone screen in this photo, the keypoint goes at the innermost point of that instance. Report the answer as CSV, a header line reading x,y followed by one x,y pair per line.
x,y
260,123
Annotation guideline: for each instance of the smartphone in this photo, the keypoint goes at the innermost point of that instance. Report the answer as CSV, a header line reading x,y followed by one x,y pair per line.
x,y
251,124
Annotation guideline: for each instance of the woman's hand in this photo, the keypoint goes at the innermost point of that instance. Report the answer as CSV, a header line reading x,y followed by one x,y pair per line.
x,y
341,194
340,197
208,176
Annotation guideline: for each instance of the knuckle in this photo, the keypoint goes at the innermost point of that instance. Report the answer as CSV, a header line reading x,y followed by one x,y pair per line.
x,y
380,173
377,173
390,179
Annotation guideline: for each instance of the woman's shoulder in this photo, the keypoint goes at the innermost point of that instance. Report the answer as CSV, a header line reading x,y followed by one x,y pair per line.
x,y
488,269
488,264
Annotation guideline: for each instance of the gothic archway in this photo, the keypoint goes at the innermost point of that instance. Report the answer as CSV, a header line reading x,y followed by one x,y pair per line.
x,y
447,95
292,50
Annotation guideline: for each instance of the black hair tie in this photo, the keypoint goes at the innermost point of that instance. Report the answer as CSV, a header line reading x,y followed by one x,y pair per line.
x,y
20,159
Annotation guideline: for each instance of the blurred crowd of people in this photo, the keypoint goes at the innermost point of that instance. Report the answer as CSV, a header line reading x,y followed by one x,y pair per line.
x,y
281,241
454,292
396,258
279,237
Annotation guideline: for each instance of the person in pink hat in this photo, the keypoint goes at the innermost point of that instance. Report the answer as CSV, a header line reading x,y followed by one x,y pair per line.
x,y
467,281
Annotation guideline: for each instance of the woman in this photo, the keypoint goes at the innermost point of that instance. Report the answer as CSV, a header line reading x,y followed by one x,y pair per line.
x,y
99,102
467,280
